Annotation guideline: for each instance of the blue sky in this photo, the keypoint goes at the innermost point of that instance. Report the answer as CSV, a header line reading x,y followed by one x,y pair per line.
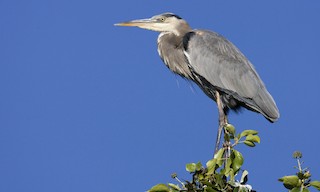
x,y
87,106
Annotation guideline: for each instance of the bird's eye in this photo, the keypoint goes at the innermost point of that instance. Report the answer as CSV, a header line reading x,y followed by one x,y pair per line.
x,y
162,19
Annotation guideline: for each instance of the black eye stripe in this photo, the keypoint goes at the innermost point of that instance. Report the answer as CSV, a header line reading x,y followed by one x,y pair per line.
x,y
171,15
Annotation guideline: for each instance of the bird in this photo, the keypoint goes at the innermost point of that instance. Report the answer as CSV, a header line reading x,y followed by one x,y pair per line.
x,y
212,62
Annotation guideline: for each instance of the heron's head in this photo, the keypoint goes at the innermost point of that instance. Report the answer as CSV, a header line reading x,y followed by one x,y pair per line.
x,y
166,22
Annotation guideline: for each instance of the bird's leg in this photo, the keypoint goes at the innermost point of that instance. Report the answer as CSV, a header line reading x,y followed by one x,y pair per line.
x,y
222,121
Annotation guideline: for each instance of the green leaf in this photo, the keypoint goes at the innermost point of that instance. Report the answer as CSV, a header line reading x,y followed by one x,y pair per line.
x,y
207,183
230,128
211,163
249,143
160,188
238,137
211,166
305,190
296,189
253,138
307,175
227,167
231,173
220,181
175,187
248,132
290,181
191,167
209,189
237,161
200,177
227,137
300,175
198,166
315,184
218,156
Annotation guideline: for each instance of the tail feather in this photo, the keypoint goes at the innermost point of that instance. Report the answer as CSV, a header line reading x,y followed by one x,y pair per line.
x,y
266,105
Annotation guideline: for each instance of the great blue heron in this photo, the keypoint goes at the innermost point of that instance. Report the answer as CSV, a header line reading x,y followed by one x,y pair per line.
x,y
213,63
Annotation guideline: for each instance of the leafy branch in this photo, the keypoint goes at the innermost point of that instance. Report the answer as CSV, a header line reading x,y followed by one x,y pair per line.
x,y
219,173
301,181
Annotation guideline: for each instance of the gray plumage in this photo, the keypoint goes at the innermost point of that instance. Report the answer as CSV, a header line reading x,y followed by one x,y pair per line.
x,y
212,62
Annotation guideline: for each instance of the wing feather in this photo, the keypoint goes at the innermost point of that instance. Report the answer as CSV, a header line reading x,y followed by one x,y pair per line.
x,y
220,63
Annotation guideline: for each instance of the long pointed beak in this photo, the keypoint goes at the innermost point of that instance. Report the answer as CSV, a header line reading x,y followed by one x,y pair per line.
x,y
137,23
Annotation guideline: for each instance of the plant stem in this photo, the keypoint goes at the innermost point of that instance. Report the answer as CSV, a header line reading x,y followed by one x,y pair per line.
x,y
299,165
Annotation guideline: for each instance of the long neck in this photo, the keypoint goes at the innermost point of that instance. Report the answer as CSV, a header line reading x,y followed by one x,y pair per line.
x,y
182,28
170,49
